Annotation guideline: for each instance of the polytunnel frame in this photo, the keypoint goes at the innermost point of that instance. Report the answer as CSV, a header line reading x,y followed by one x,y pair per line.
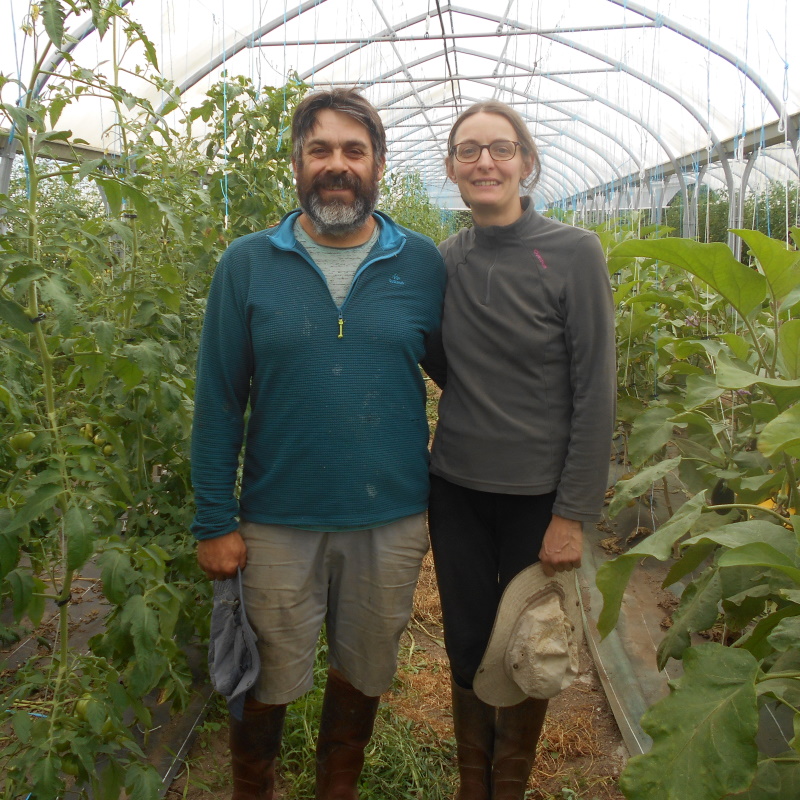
x,y
391,31
554,105
389,34
656,20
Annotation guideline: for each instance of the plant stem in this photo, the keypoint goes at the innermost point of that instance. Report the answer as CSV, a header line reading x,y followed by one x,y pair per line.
x,y
761,359
132,267
775,344
792,479
770,676
666,495
749,506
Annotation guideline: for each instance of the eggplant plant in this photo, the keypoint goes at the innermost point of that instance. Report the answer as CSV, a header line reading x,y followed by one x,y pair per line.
x,y
721,411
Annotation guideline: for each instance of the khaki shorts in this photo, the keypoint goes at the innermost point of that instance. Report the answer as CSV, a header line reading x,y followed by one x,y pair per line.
x,y
359,583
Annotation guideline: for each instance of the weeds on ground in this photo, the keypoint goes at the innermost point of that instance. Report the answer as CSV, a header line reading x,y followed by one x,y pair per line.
x,y
404,760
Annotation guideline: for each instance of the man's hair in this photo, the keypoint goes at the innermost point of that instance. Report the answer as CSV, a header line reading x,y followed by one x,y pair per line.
x,y
347,101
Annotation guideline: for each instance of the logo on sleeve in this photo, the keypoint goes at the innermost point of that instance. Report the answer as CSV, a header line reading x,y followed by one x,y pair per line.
x,y
397,280
540,259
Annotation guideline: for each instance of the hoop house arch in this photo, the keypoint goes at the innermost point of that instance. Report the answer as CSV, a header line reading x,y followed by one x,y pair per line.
x,y
614,92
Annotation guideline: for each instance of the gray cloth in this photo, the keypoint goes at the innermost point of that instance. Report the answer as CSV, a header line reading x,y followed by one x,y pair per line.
x,y
338,264
233,660
529,396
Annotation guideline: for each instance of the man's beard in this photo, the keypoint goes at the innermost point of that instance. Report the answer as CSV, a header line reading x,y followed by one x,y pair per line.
x,y
335,217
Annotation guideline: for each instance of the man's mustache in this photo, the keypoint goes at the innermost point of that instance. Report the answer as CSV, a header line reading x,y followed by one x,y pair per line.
x,y
343,181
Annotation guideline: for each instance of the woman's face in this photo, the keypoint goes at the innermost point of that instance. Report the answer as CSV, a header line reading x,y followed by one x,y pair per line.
x,y
489,187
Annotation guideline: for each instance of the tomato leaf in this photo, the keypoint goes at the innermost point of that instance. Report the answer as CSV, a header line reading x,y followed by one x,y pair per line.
x,y
53,18
40,500
79,531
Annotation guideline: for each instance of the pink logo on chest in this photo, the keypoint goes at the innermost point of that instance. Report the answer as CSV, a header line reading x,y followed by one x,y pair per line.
x,y
540,259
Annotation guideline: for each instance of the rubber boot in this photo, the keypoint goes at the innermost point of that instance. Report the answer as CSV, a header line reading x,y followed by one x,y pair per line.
x,y
255,741
516,736
348,717
473,723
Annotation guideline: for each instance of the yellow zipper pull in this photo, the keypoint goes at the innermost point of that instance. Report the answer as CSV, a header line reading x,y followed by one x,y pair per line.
x,y
341,329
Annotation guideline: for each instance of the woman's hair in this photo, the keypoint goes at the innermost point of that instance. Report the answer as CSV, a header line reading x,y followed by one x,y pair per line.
x,y
529,151
347,101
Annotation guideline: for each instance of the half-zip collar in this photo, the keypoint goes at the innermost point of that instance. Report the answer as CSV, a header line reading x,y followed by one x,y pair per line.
x,y
391,241
484,234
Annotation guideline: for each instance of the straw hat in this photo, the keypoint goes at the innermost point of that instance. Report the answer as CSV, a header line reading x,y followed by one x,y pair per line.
x,y
533,649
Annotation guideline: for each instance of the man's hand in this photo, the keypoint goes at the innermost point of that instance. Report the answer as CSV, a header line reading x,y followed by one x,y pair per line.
x,y
219,557
562,547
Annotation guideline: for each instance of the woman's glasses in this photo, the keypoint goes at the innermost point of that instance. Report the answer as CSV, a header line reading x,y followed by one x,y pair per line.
x,y
469,152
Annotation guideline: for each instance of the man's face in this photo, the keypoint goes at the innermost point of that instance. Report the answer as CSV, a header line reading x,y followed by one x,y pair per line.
x,y
337,176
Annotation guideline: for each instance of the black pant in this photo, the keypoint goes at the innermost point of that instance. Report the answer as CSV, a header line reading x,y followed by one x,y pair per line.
x,y
480,541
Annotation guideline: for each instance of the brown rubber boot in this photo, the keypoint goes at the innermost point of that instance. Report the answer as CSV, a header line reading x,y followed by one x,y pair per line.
x,y
473,723
255,742
348,717
515,740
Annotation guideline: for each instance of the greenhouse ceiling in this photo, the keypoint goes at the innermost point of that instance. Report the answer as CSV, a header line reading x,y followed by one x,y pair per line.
x,y
628,102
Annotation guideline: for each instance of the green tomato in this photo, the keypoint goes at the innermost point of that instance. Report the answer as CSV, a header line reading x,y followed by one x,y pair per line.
x,y
108,450
21,442
82,705
99,440
87,431
70,765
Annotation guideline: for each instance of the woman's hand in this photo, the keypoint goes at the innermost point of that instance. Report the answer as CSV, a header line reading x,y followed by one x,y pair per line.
x,y
562,547
219,557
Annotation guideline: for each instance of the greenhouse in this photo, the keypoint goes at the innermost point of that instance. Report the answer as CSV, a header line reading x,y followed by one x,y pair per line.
x,y
139,139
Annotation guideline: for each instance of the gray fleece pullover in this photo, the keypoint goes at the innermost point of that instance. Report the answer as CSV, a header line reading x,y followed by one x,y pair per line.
x,y
529,396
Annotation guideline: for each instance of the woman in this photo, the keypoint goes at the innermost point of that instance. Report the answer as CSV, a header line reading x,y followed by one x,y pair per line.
x,y
521,452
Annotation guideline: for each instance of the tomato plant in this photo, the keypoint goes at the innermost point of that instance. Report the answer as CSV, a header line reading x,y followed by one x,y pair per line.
x,y
104,266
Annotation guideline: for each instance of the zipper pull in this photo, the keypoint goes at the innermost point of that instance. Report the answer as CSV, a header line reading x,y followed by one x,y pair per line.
x,y
341,328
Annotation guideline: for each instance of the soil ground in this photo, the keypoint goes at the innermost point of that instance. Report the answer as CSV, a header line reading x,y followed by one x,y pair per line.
x,y
581,753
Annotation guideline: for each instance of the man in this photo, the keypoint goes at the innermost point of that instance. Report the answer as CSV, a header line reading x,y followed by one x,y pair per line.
x,y
318,323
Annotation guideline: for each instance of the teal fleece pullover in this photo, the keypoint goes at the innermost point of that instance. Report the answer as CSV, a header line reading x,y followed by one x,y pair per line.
x,y
337,432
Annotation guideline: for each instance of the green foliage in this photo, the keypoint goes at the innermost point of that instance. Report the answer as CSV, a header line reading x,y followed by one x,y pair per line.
x,y
702,742
708,356
405,198
249,146
402,759
104,265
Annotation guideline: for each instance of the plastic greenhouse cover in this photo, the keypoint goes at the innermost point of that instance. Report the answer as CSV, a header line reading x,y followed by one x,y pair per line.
x,y
612,90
